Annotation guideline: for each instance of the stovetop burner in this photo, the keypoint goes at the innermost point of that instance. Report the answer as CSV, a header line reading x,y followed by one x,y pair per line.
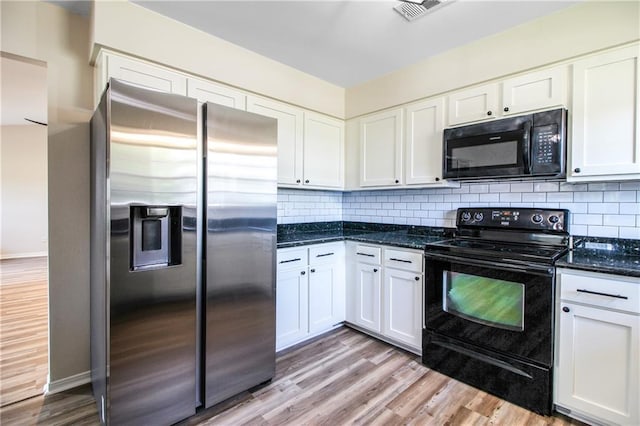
x,y
500,250
516,234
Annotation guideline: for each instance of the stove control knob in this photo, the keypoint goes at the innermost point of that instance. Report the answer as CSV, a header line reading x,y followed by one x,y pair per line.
x,y
478,216
536,218
554,219
465,216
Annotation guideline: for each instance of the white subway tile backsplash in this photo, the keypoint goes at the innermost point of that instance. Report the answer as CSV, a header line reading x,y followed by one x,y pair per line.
x,y
499,187
546,187
620,196
605,210
588,197
603,231
619,220
534,197
587,219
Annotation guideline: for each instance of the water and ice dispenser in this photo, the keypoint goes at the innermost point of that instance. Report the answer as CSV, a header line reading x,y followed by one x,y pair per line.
x,y
156,237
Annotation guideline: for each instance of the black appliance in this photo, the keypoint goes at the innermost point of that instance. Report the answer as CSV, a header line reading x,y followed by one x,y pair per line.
x,y
526,146
489,302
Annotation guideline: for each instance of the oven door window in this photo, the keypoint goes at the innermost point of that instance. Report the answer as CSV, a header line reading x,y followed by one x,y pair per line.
x,y
490,301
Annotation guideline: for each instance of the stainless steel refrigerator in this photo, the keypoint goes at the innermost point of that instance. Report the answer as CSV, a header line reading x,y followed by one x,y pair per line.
x,y
183,221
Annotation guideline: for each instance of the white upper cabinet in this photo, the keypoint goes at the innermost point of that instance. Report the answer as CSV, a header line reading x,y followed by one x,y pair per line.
x,y
605,140
537,90
323,151
206,91
423,142
474,104
381,148
290,135
533,91
138,73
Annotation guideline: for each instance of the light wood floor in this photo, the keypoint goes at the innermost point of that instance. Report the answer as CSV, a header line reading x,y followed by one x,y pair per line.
x,y
341,378
23,328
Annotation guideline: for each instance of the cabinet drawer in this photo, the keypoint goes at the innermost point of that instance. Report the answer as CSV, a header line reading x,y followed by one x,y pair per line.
x,y
291,258
400,259
607,291
367,254
326,253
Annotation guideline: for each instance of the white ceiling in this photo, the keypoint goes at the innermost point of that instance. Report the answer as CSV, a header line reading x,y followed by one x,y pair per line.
x,y
350,42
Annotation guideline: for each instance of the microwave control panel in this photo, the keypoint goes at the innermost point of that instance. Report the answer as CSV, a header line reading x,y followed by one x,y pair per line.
x,y
548,142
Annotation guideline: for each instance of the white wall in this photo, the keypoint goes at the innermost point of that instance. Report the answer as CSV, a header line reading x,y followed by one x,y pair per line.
x,y
23,191
571,32
48,33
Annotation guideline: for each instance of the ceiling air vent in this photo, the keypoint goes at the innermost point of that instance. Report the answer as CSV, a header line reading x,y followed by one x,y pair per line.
x,y
412,10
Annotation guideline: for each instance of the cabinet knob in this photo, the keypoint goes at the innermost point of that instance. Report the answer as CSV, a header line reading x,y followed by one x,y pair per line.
x,y
489,113
302,272
576,170
306,181
397,181
297,180
375,270
312,270
506,109
437,179
566,309
417,278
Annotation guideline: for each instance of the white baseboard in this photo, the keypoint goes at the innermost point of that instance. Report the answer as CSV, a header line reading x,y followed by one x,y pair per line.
x,y
67,383
21,255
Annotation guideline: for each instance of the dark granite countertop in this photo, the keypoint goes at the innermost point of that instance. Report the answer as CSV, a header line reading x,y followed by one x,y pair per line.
x,y
606,255
415,237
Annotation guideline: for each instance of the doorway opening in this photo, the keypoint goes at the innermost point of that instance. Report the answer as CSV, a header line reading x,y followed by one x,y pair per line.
x,y
24,318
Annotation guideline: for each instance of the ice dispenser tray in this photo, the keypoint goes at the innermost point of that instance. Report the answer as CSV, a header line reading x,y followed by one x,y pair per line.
x,y
156,237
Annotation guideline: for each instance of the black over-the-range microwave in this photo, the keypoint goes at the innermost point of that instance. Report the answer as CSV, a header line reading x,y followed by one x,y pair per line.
x,y
525,146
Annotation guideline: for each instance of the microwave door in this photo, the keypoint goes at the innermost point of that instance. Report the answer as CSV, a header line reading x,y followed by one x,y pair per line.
x,y
489,155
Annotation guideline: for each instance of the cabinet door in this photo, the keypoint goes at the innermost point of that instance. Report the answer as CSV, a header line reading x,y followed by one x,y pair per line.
x,y
292,316
143,74
402,306
536,90
323,297
323,151
423,147
597,367
367,296
290,133
381,149
605,131
477,103
205,91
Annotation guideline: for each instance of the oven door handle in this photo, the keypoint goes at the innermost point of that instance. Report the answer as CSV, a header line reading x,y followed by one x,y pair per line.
x,y
528,268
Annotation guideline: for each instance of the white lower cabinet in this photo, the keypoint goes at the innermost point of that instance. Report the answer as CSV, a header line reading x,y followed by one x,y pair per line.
x,y
310,293
403,306
367,296
384,293
597,374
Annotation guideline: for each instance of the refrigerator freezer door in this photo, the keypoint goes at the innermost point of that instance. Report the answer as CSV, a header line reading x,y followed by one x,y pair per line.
x,y
241,191
152,161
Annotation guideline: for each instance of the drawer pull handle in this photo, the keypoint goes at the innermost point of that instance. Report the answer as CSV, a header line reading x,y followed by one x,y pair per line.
x,y
617,296
365,254
290,260
324,254
400,260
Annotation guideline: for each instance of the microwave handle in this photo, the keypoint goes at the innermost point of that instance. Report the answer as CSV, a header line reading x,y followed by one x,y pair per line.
x,y
526,147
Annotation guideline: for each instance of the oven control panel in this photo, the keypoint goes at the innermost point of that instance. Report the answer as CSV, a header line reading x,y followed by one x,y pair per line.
x,y
550,220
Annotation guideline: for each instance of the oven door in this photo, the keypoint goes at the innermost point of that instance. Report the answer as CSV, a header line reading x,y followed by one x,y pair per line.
x,y
500,307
